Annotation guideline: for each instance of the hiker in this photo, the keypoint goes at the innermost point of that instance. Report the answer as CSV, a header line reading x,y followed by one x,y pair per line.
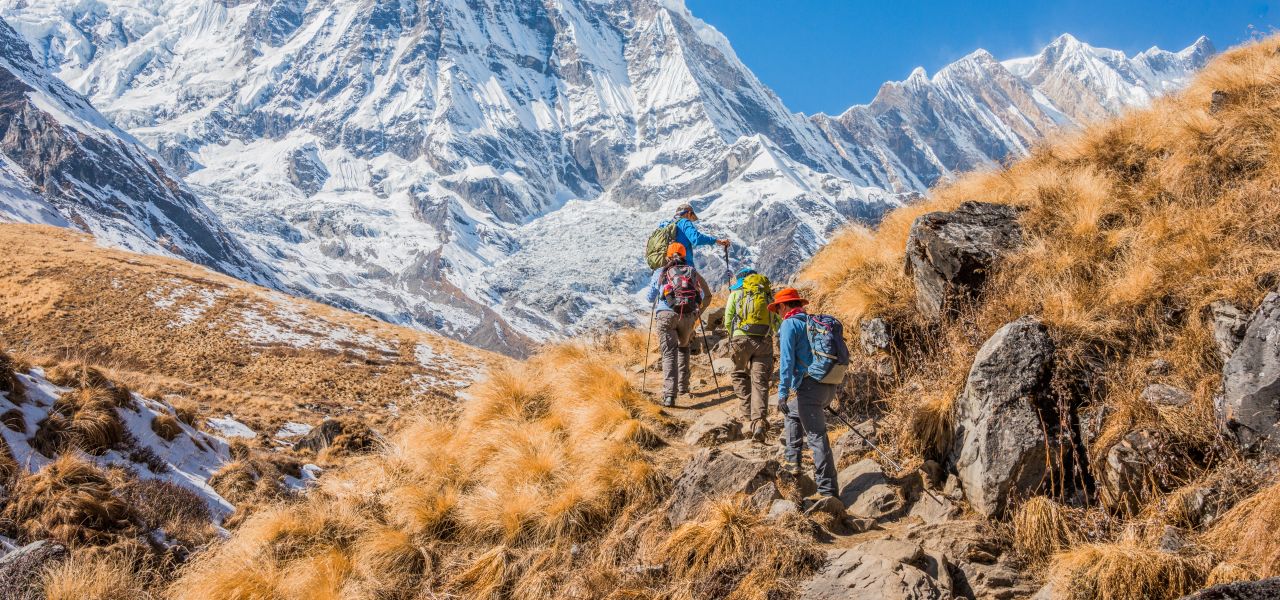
x,y
801,399
680,294
687,233
751,326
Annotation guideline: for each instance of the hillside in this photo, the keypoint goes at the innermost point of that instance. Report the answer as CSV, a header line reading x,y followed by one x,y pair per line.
x,y
1146,253
170,328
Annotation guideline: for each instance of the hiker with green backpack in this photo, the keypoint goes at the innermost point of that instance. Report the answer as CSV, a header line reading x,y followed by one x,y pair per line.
x,y
678,230
751,328
679,294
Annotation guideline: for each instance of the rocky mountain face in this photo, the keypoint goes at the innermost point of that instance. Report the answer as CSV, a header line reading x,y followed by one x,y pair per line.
x,y
490,168
62,163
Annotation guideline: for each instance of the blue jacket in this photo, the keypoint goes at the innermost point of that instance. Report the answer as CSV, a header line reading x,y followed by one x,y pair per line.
x,y
689,236
655,290
796,355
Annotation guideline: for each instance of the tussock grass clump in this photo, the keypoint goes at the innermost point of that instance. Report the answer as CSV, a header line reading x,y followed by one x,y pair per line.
x,y
732,538
1228,573
181,513
10,385
166,426
95,577
83,376
1042,528
1124,571
83,419
70,500
185,410
1246,534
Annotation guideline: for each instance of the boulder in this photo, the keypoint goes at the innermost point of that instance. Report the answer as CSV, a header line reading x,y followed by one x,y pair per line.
x,y
868,493
1159,394
716,473
1251,380
351,437
1217,100
950,254
20,570
825,504
1002,416
1137,466
874,336
1263,589
713,428
981,566
1229,324
884,569
780,508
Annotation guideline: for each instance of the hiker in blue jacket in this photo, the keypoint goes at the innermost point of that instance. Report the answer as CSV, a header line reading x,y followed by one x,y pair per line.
x,y
687,233
801,399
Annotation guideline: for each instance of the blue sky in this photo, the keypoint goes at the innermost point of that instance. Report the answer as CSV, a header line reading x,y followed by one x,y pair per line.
x,y
825,55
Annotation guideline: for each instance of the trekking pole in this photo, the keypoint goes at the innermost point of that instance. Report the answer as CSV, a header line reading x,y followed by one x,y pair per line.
x,y
707,349
648,339
728,270
894,463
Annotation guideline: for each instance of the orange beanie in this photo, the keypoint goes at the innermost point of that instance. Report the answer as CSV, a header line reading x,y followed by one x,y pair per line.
x,y
674,249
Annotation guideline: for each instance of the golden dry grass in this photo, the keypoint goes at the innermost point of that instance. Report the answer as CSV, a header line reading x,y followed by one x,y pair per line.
x,y
1133,228
9,383
1124,571
1042,528
175,329
166,426
69,500
1246,535
88,577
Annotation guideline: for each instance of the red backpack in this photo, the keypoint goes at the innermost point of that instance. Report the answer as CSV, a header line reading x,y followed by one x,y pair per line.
x,y
680,289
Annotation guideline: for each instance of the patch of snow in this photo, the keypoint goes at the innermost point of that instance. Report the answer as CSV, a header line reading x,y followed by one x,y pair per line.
x,y
228,426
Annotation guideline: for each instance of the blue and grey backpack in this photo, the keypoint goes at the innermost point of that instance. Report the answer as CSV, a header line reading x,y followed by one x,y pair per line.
x,y
830,353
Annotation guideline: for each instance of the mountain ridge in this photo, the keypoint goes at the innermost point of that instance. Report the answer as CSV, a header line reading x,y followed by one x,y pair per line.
x,y
410,161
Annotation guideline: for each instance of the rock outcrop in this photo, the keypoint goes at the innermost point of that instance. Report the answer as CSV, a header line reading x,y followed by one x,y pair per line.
x,y
1251,380
885,569
1229,324
868,493
1128,476
950,254
20,570
1002,417
713,428
715,473
1265,589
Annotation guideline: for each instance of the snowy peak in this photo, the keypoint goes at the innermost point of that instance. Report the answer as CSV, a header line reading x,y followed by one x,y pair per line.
x,y
65,164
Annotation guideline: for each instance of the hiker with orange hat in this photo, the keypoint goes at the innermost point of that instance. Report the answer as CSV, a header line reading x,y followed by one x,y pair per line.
x,y
801,398
679,294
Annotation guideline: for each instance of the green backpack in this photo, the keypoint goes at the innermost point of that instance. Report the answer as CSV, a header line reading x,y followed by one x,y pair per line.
x,y
752,309
655,252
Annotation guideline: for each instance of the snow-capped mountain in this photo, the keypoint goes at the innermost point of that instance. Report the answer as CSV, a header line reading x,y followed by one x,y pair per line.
x,y
62,163
490,168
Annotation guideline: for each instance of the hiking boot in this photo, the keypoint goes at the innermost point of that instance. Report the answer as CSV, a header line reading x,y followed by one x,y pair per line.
x,y
759,430
669,401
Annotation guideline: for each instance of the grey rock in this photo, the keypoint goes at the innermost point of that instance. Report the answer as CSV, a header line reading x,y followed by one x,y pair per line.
x,y
1229,324
1217,100
1263,589
1171,539
1002,415
714,427
782,507
875,337
934,509
883,569
1045,593
1159,394
20,570
715,473
868,493
764,496
950,254
981,566
1159,367
1128,474
306,171
825,504
1251,380
320,437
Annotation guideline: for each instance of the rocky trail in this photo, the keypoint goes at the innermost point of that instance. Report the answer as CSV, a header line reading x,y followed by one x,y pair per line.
x,y
890,539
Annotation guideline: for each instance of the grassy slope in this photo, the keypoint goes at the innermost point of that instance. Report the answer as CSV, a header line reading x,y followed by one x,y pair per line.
x,y
166,326
1135,227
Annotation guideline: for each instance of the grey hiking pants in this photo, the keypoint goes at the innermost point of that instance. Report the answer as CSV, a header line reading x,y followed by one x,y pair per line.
x,y
803,416
752,368
675,332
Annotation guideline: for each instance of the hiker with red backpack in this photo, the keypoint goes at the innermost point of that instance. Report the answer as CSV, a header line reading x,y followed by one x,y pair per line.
x,y
813,360
751,327
680,229
679,294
